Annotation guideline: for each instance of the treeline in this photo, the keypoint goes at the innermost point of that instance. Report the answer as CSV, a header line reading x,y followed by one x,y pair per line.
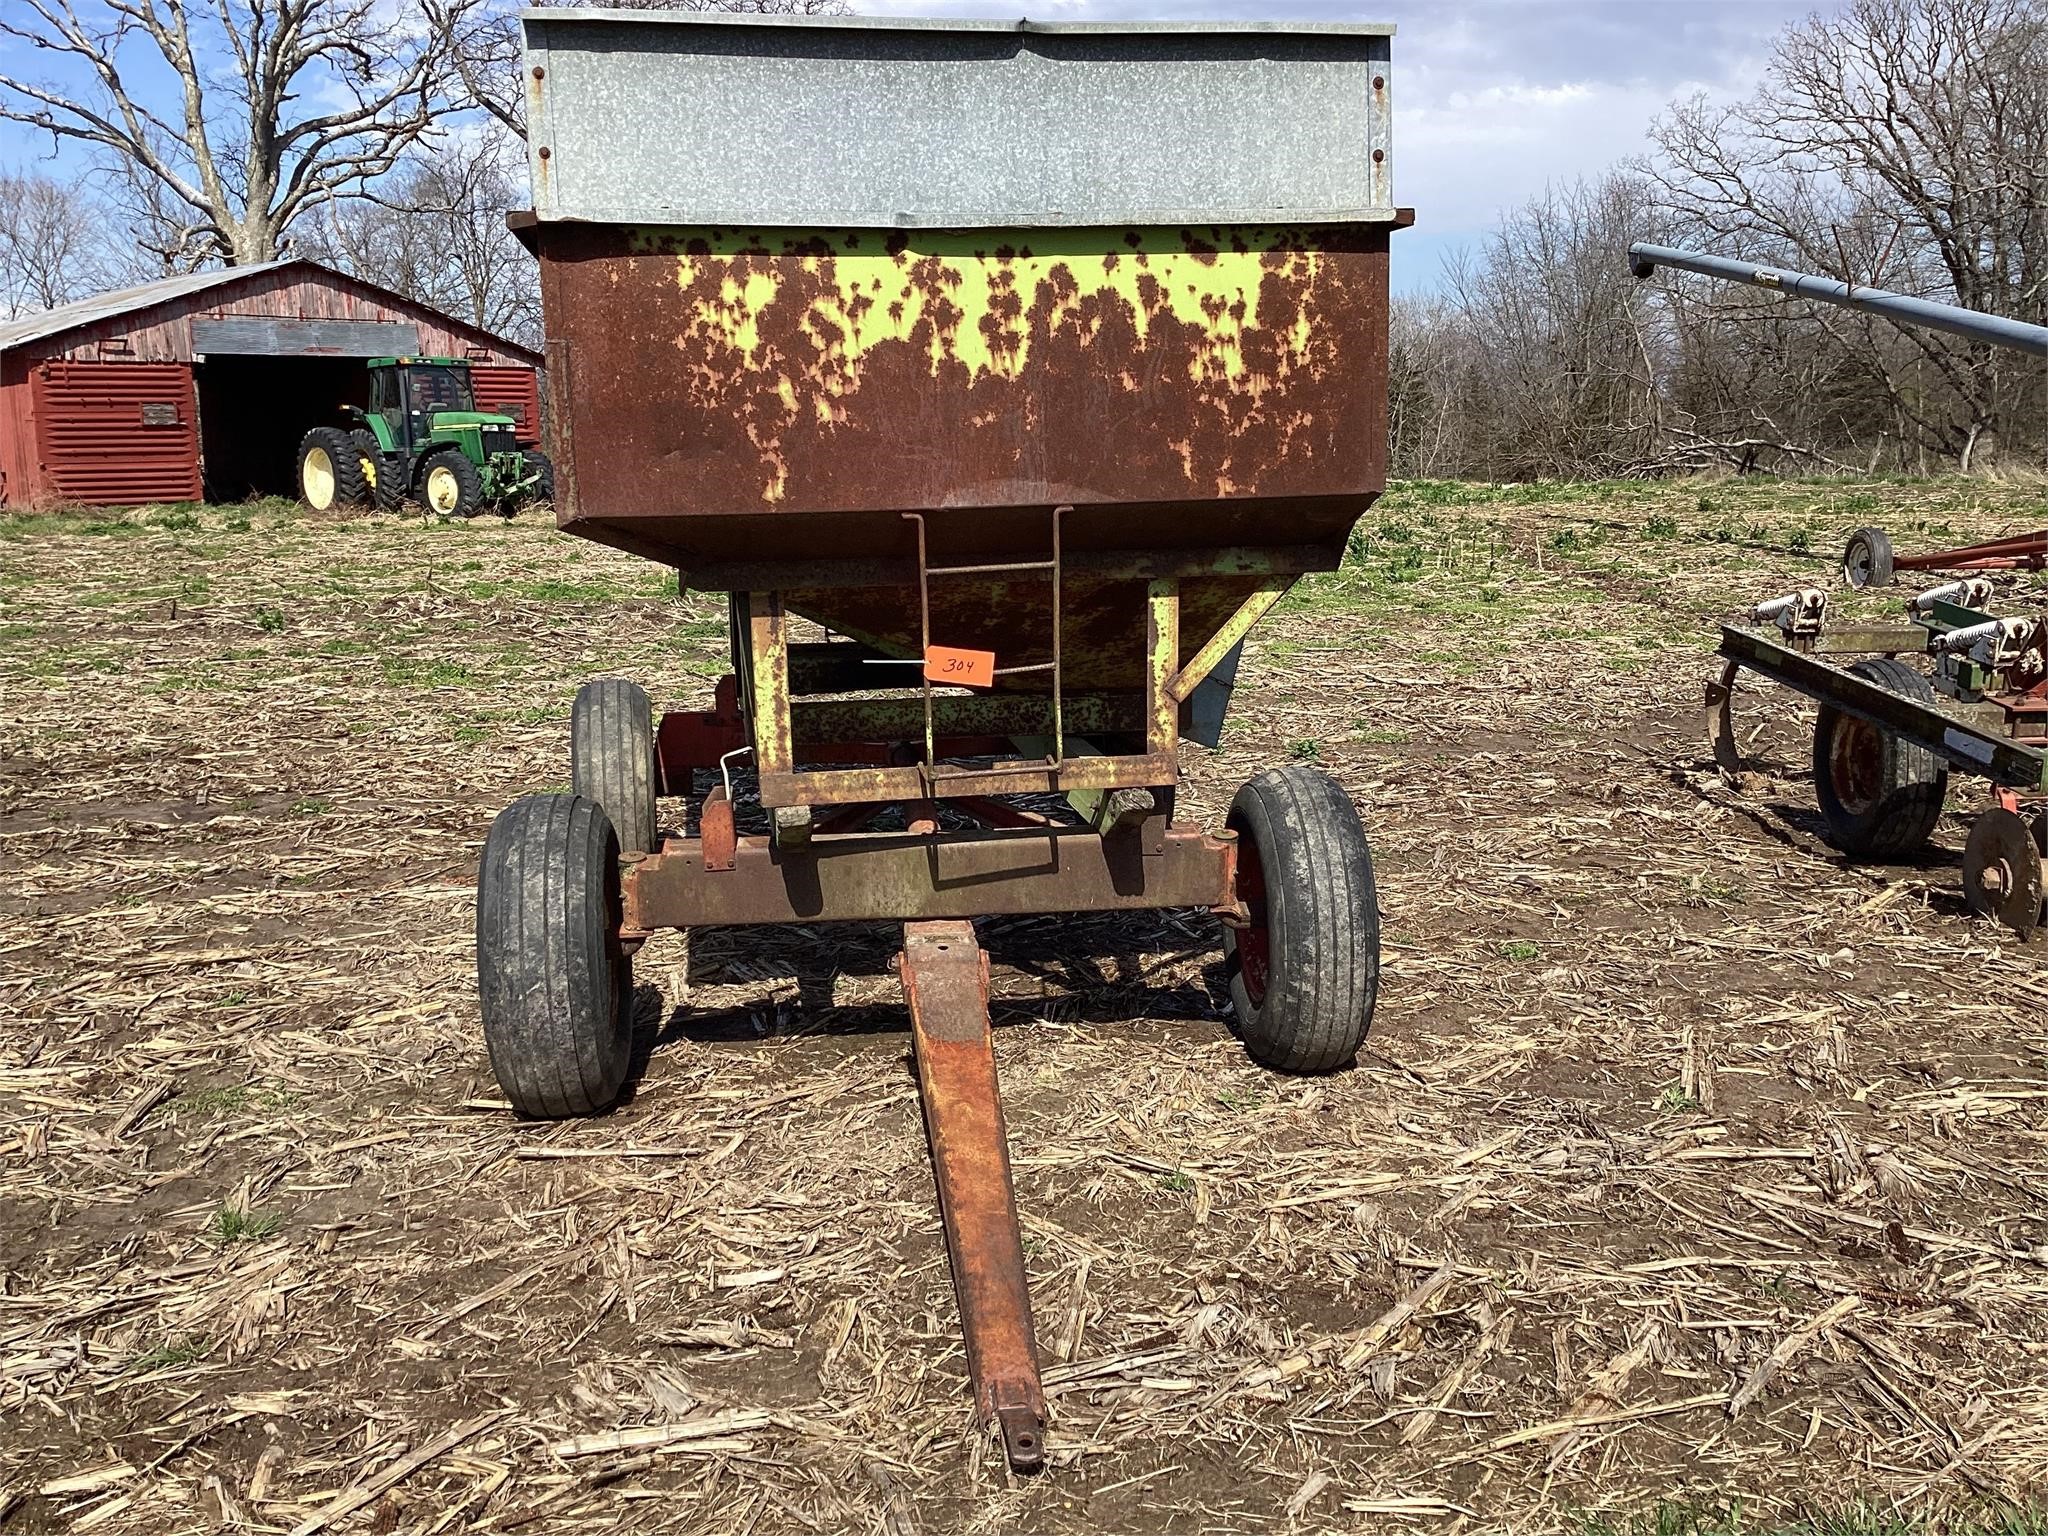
x,y
1900,144
1897,143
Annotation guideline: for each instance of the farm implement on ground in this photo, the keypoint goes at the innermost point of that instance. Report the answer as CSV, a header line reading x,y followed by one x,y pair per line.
x,y
1889,735
1003,376
1868,560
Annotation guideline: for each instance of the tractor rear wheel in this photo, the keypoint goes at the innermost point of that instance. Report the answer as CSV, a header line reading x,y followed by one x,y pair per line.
x,y
1880,794
371,458
450,485
554,986
331,471
1305,969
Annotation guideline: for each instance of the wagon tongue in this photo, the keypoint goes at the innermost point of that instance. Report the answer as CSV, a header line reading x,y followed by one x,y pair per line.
x,y
945,982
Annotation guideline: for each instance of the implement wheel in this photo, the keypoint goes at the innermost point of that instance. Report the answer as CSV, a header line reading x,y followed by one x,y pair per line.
x,y
611,757
1881,795
450,485
1867,560
1305,971
331,471
554,987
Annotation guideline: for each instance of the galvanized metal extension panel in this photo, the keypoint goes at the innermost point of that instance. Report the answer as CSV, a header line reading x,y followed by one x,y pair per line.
x,y
265,336
681,119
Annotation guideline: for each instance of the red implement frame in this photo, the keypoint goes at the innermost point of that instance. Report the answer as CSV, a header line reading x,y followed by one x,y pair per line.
x,y
2025,552
945,981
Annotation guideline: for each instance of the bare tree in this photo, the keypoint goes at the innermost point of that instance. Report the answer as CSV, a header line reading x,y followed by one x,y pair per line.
x,y
52,245
436,233
487,45
1902,143
240,157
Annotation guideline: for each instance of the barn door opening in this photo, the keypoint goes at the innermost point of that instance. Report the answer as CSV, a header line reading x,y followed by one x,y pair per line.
x,y
254,410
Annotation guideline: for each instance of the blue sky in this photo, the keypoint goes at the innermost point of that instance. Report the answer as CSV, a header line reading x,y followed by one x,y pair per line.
x,y
1492,100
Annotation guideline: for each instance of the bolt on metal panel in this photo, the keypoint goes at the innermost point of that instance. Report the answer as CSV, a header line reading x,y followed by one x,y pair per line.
x,y
639,119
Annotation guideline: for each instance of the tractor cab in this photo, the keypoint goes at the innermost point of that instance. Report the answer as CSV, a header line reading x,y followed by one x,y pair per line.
x,y
425,400
422,435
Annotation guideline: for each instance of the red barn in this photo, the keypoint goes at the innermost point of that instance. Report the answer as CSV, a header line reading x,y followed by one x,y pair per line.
x,y
199,387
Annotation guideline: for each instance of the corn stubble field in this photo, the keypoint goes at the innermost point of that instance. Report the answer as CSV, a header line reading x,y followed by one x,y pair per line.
x,y
1686,1163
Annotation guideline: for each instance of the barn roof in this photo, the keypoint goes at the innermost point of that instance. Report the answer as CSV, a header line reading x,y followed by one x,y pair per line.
x,y
107,306
124,301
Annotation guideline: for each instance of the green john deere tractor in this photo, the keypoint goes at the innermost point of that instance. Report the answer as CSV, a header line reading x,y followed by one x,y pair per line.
x,y
422,436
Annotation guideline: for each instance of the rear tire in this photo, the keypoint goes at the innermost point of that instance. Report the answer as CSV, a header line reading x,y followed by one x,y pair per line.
x,y
1867,559
611,757
330,471
553,986
1305,975
450,485
371,459
1881,795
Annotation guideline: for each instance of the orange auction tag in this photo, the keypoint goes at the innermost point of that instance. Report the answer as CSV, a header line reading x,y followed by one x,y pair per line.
x,y
947,664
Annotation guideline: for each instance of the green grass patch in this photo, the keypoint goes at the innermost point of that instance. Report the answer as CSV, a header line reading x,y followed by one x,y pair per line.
x,y
232,1224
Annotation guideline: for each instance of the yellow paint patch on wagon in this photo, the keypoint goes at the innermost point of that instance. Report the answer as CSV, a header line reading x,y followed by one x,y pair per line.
x,y
966,306
976,308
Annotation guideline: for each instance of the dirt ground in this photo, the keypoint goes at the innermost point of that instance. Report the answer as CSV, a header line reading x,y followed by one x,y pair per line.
x,y
1685,1163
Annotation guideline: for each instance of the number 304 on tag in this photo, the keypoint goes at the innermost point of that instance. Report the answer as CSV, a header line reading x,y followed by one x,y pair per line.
x,y
948,664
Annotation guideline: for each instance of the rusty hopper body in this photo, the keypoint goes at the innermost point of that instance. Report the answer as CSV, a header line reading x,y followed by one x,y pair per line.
x,y
801,278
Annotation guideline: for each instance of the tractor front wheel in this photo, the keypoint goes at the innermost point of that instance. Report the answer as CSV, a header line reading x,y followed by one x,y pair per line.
x,y
450,485
543,489
330,471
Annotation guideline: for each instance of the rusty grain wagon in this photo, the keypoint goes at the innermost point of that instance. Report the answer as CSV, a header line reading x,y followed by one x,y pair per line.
x,y
1004,375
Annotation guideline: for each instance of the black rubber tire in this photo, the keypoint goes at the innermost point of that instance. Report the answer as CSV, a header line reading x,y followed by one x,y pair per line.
x,y
351,487
611,757
1312,894
545,490
469,485
1867,558
1881,796
554,989
376,486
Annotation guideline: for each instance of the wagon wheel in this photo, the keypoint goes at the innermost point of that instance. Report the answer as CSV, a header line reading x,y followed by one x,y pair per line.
x,y
1305,967
1867,559
2004,870
1881,794
553,984
611,757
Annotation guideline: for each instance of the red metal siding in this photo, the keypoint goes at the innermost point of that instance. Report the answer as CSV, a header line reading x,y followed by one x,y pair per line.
x,y
513,392
117,433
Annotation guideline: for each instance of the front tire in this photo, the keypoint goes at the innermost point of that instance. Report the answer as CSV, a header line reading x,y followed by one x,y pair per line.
x,y
450,485
544,488
611,757
553,985
330,471
1305,973
1880,794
